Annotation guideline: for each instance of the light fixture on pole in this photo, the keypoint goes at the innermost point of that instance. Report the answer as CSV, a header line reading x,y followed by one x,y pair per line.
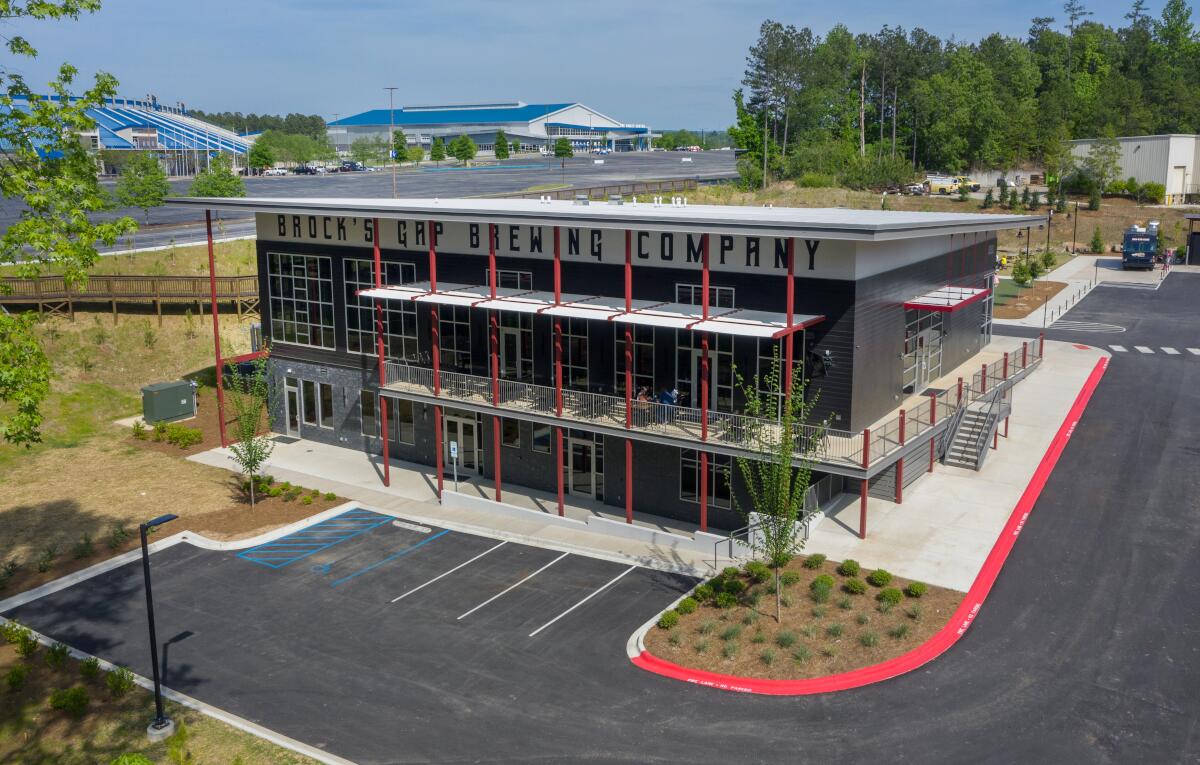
x,y
161,727
392,135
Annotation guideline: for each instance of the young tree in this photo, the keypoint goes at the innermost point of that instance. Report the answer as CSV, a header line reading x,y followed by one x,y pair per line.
x,y
399,145
1094,198
51,175
143,183
778,481
463,148
563,150
989,200
369,149
516,146
261,156
1097,243
218,180
963,192
1103,162
1025,197
437,150
501,149
249,403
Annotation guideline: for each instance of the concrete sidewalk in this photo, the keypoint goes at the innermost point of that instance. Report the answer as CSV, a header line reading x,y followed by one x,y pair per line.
x,y
949,520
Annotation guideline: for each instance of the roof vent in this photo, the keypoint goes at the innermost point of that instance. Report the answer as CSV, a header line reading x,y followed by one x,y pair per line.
x,y
582,199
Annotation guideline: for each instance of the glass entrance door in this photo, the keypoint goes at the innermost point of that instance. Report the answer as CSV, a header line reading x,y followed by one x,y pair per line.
x,y
514,362
292,405
462,430
584,469
922,350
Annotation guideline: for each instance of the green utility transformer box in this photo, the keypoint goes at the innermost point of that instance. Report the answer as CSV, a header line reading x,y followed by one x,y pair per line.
x,y
168,401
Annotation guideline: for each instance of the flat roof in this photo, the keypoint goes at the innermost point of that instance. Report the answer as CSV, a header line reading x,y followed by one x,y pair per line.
x,y
817,223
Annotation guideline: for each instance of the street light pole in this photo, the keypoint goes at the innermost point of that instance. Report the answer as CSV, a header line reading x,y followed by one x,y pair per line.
x,y
392,135
161,727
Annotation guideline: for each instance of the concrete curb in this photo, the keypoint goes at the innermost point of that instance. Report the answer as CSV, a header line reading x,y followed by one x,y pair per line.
x,y
942,640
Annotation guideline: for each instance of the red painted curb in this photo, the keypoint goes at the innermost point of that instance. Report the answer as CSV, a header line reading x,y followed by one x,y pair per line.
x,y
947,635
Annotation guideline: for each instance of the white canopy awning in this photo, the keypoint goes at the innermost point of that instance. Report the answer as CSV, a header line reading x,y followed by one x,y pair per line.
x,y
947,299
722,321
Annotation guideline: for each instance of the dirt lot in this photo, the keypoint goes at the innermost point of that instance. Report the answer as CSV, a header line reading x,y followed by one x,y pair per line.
x,y
1026,301
813,639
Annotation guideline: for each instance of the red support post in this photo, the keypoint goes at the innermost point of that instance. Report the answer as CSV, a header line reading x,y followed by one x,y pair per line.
x,y
492,258
558,379
437,447
628,270
379,344
704,276
496,452
862,487
435,354
495,353
557,269
791,306
704,491
1005,373
432,256
559,438
212,285
900,465
958,402
704,387
628,377
983,380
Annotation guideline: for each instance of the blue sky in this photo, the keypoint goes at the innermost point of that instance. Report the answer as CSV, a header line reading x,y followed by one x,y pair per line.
x,y
664,64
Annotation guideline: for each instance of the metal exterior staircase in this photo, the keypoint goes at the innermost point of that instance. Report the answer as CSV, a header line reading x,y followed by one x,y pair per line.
x,y
968,445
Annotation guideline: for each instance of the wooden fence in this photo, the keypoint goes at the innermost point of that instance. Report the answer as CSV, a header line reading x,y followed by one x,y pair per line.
x,y
52,296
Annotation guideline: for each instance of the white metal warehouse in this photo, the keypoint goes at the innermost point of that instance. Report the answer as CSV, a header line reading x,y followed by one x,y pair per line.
x,y
1171,160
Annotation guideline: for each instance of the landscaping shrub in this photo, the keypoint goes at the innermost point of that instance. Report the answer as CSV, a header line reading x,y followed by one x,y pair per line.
x,y
879,578
733,586
687,606
276,491
834,630
845,603
132,759
814,561
753,597
730,572
899,632
704,593
117,536
785,639
767,656
862,619
15,679
46,559
868,639
855,586
668,620
750,618
890,595
706,627
726,600
732,632
788,578
286,485
119,681
26,643
82,548
801,654
729,650
701,646
139,430
306,500
56,656
90,668
914,613
7,569
10,630
818,611
160,431
73,701
915,589
675,639
183,436
820,591
848,567
329,495
823,579
1049,261
1097,243
758,638
758,571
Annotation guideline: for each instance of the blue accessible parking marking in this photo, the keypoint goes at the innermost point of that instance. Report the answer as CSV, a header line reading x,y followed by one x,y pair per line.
x,y
392,557
313,539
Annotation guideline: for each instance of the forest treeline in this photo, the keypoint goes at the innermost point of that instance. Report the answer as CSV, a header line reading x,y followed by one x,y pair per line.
x,y
873,109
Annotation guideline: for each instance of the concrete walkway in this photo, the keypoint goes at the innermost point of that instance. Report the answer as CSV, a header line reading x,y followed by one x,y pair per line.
x,y
949,520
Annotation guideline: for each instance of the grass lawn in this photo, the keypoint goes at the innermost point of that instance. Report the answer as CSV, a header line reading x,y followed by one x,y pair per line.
x,y
33,733
821,632
232,259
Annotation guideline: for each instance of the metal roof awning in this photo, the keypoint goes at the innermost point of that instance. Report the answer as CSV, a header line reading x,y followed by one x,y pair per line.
x,y
720,321
947,299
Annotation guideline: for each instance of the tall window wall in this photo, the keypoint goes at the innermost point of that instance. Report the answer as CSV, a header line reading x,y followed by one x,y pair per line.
x,y
301,295
399,316
455,337
575,353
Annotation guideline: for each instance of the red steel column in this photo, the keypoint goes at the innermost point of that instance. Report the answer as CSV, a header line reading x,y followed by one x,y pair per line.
x,y
900,465
212,285
379,343
791,304
558,387
628,377
492,258
862,487
495,326
436,356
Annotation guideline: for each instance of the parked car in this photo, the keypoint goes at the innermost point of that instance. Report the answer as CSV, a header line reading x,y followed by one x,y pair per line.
x,y
351,167
275,171
913,189
304,170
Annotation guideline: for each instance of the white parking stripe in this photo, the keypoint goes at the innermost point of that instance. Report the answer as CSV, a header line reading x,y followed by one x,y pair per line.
x,y
514,586
585,600
448,573
1144,349
1118,348
1194,351
1170,351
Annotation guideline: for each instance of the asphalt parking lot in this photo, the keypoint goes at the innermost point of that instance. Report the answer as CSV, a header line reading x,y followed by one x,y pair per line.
x,y
415,623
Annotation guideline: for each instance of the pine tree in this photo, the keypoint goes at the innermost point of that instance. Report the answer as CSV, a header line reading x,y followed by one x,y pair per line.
x,y
989,200
1094,198
437,150
1097,243
501,142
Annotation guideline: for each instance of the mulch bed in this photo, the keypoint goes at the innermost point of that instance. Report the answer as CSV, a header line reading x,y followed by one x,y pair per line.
x,y
811,647
1028,300
206,421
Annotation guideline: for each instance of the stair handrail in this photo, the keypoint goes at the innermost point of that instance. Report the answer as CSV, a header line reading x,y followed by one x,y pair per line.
x,y
956,420
995,399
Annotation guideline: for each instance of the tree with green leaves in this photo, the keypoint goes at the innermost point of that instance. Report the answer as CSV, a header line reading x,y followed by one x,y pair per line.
x,y
437,150
371,150
1103,162
989,200
501,149
777,481
516,146
563,150
463,149
218,180
250,403
261,156
1097,243
47,170
143,183
399,146
1093,198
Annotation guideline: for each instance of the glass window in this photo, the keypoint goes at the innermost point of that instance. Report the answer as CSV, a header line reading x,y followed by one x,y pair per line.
x,y
400,412
370,425
510,432
455,337
575,353
688,366
510,279
692,294
719,467
541,438
643,359
310,401
300,289
326,405
399,316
